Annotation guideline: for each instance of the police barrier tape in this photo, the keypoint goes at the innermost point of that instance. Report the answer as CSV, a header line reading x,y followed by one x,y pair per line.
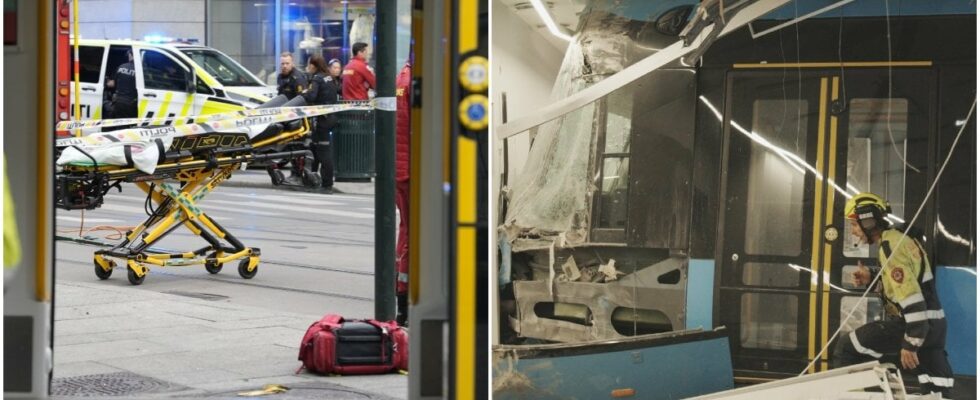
x,y
225,122
173,121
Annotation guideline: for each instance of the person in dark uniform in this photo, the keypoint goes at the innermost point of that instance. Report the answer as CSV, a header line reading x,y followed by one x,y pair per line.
x,y
123,82
915,326
291,81
336,69
323,90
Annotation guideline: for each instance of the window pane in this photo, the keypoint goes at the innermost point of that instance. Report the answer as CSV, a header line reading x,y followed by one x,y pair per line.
x,y
619,108
615,182
91,68
775,192
876,150
869,309
160,72
772,274
769,321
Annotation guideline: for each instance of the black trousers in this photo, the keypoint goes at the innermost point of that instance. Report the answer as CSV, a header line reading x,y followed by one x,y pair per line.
x,y
322,158
121,108
882,341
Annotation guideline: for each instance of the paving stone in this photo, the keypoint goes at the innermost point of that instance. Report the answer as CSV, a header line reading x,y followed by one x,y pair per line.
x,y
107,350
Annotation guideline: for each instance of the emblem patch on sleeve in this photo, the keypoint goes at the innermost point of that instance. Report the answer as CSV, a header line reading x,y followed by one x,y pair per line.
x,y
898,275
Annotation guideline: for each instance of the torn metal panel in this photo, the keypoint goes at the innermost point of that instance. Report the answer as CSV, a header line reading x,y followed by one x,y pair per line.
x,y
636,302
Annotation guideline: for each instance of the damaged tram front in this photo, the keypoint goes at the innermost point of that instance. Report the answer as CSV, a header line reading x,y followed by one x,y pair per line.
x,y
686,228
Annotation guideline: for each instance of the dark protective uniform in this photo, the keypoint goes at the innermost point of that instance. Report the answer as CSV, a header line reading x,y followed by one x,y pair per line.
x,y
323,89
291,84
124,100
915,319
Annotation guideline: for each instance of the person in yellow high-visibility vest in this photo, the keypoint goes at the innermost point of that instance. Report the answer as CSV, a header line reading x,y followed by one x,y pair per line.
x,y
915,326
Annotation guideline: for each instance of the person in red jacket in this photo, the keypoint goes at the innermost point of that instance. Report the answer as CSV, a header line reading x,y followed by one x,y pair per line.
x,y
403,131
357,77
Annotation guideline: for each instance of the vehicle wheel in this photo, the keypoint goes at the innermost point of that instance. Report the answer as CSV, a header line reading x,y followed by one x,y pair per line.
x,y
102,273
212,266
243,269
133,278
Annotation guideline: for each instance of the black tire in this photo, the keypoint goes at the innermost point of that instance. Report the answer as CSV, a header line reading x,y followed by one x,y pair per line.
x,y
277,176
101,273
213,267
243,269
133,278
311,179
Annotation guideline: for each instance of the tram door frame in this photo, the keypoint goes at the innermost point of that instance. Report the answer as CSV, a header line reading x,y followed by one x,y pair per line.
x,y
803,284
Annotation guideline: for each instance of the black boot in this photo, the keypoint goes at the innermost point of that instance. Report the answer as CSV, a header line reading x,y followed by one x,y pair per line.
x,y
402,317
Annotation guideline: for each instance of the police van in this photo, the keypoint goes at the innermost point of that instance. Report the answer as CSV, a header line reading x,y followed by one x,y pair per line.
x,y
172,79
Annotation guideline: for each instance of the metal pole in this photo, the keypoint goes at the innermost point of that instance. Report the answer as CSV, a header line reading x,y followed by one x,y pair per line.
x,y
384,150
345,47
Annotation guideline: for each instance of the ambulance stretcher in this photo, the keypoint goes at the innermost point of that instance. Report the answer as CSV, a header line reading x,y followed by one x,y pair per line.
x,y
177,166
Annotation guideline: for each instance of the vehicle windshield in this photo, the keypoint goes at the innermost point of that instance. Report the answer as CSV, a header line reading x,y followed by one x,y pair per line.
x,y
221,67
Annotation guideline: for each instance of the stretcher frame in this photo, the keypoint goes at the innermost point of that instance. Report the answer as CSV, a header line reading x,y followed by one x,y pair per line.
x,y
177,205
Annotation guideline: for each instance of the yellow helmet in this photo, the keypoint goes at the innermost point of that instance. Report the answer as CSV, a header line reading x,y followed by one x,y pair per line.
x,y
869,210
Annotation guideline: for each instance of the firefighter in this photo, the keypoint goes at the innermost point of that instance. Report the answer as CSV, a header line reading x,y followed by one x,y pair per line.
x,y
358,77
403,126
915,325
291,81
322,90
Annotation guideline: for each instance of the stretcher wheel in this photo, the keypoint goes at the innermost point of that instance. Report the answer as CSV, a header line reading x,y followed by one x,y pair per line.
x,y
133,277
213,267
102,273
243,269
277,177
311,179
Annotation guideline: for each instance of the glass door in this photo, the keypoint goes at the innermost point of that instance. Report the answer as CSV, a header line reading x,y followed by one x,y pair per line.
x,y
796,150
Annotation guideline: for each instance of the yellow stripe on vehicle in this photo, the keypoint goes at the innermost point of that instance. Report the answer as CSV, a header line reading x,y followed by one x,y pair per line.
x,y
42,234
465,312
815,250
142,108
467,26
828,221
466,180
187,107
162,115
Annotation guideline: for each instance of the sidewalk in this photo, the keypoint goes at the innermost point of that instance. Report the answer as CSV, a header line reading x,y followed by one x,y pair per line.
x,y
258,178
125,342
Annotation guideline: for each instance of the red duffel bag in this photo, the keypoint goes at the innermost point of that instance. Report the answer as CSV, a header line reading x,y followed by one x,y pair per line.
x,y
333,345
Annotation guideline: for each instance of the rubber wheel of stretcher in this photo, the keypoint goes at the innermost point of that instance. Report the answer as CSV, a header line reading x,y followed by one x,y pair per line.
x,y
133,278
311,179
277,177
101,273
243,269
212,266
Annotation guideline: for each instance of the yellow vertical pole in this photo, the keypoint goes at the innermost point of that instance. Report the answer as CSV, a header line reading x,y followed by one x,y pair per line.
x,y
78,83
78,88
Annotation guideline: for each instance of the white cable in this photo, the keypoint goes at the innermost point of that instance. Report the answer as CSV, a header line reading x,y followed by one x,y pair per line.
x,y
902,239
888,121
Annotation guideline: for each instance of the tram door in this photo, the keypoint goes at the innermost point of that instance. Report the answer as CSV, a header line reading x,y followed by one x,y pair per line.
x,y
785,253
